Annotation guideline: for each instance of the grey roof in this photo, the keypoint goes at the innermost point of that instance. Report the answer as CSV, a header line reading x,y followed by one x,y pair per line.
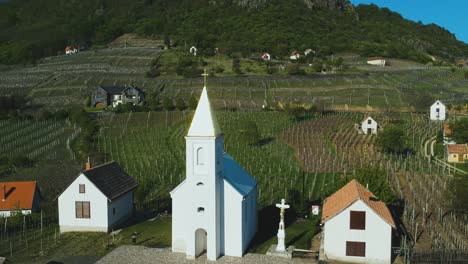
x,y
237,176
114,89
111,180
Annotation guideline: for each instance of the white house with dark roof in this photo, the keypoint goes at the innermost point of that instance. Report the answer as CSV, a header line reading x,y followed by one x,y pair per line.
x,y
214,210
437,111
98,199
357,227
369,125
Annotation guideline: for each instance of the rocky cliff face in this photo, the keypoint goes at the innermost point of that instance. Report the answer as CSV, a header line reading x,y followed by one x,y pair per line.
x,y
342,5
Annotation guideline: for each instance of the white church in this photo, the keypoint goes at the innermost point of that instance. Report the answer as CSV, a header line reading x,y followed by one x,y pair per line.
x,y
437,111
214,210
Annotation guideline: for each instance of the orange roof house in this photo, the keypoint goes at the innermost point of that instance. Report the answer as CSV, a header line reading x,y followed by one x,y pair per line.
x,y
350,193
22,196
457,149
447,130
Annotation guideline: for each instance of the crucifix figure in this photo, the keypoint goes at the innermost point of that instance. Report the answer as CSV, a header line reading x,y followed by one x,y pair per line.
x,y
204,74
281,232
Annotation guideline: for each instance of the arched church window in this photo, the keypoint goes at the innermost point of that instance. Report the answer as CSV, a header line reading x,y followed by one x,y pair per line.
x,y
200,156
200,209
200,184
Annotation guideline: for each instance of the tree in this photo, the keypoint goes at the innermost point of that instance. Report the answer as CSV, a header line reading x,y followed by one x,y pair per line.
x,y
460,131
193,102
392,139
167,103
236,66
153,100
180,104
249,133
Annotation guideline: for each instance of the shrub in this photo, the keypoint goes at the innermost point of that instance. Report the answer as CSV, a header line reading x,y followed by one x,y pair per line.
x,y
167,103
236,66
393,140
249,133
153,73
193,102
180,104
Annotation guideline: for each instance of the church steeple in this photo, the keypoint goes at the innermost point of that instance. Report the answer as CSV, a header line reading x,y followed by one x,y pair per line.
x,y
204,122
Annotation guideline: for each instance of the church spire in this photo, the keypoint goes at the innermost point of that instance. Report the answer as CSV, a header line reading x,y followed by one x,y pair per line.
x,y
204,122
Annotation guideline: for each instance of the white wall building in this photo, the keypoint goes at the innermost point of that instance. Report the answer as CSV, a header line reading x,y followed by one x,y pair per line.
x,y
437,111
369,125
19,197
99,199
215,208
378,61
357,226
266,56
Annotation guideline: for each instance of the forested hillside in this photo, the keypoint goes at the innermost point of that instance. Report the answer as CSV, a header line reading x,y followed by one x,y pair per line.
x,y
31,29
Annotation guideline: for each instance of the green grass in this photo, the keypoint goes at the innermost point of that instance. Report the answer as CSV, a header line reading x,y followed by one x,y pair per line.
x,y
298,234
155,232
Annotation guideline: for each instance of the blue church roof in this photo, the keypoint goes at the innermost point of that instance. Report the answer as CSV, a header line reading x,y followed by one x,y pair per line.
x,y
237,176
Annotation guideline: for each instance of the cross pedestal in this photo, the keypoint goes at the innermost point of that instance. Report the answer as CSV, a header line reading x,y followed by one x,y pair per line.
x,y
280,249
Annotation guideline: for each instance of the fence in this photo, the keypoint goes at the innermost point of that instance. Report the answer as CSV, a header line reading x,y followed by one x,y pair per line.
x,y
439,256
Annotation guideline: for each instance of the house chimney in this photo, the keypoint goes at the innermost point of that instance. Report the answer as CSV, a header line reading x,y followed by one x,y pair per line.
x,y
88,165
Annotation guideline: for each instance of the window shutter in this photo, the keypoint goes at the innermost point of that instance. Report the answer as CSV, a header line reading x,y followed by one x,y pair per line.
x,y
79,209
356,249
357,220
86,210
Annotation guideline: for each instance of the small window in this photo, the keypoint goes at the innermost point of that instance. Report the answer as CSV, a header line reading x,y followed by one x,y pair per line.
x,y
437,110
369,121
200,209
356,249
200,184
357,220
113,210
82,210
200,156
82,188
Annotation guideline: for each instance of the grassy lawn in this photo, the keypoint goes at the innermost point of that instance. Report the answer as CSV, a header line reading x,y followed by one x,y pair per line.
x,y
298,234
87,247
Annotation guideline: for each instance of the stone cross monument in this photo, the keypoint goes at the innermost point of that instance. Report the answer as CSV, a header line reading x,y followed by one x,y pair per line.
x,y
281,233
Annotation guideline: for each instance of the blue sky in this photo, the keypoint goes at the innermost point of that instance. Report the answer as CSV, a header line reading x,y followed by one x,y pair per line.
x,y
450,14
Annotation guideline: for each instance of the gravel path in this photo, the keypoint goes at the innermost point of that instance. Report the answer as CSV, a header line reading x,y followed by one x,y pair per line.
x,y
140,254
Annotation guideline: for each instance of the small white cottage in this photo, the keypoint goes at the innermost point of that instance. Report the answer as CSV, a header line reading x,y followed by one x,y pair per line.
x,y
377,61
266,56
437,111
193,50
97,200
214,210
357,226
369,126
295,55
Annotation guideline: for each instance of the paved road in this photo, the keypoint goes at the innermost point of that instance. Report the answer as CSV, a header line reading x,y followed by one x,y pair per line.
x,y
140,254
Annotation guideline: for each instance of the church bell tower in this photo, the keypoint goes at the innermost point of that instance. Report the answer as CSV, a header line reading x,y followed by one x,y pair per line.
x,y
204,150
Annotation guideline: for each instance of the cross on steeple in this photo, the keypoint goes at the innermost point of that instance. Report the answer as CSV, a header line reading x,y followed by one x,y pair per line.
x,y
204,74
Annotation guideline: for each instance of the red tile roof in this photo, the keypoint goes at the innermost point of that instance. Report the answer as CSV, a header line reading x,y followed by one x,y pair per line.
x,y
447,130
349,194
457,148
17,195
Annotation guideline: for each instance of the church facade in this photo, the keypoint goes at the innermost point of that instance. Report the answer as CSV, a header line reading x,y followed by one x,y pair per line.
x,y
214,210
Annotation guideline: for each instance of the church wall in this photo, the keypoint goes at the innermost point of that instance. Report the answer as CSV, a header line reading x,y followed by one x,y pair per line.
x,y
233,222
179,218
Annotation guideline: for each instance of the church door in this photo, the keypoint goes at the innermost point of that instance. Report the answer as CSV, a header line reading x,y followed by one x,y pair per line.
x,y
200,242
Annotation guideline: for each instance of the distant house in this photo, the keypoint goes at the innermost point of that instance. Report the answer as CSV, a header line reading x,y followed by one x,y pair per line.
x,y
369,125
308,51
193,51
105,96
378,61
437,111
266,56
447,134
71,50
295,55
357,226
460,64
457,153
97,200
18,197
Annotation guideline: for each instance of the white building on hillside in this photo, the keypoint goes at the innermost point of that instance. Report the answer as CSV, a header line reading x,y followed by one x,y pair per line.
x,y
357,226
437,111
97,200
369,125
215,208
378,61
